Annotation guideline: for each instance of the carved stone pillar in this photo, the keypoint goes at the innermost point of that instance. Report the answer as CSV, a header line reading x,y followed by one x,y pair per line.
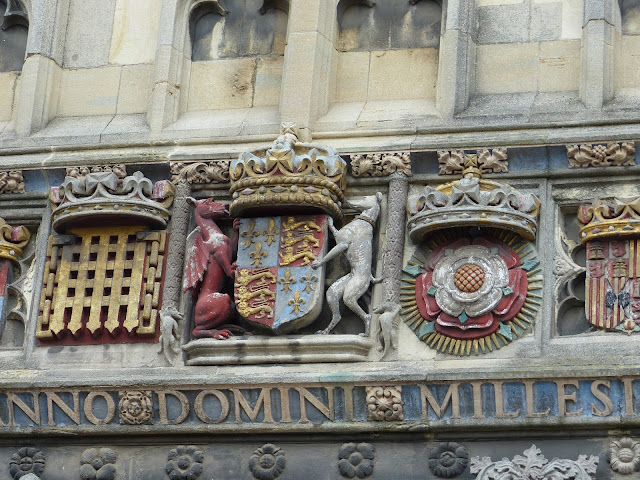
x,y
177,241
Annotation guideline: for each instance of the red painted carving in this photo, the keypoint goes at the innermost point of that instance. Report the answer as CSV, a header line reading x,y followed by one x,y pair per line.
x,y
207,266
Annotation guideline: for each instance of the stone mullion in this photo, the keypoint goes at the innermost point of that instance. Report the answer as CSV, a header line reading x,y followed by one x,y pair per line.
x,y
394,245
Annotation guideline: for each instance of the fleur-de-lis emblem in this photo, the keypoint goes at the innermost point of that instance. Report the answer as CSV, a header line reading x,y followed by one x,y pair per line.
x,y
296,301
249,234
309,282
271,232
287,281
257,255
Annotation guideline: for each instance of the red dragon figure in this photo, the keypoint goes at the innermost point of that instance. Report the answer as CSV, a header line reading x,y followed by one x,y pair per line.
x,y
208,263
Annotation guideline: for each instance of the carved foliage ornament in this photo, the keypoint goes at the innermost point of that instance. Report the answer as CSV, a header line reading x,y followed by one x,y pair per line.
x,y
98,464
135,407
384,403
215,171
602,155
380,164
11,182
489,161
534,466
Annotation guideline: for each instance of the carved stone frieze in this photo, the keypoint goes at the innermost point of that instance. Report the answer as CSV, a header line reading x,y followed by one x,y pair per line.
x,y
356,460
184,463
448,460
27,460
267,462
11,182
534,466
624,456
380,164
135,407
98,464
384,403
214,171
489,161
601,155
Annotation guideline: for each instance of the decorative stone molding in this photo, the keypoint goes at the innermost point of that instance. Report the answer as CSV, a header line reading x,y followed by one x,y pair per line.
x,y
28,460
267,462
214,171
489,161
381,164
534,466
12,181
602,155
288,174
135,407
448,460
356,460
184,463
98,464
94,198
624,456
384,403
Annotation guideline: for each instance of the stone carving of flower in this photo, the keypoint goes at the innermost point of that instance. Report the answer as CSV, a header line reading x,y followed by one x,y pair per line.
x,y
624,456
448,460
135,407
384,403
267,462
356,460
185,463
98,464
27,460
470,287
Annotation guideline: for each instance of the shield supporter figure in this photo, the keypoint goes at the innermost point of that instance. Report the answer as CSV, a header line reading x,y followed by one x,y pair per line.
x,y
283,197
611,238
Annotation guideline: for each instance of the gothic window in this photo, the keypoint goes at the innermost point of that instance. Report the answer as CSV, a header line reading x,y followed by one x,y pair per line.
x,y
13,35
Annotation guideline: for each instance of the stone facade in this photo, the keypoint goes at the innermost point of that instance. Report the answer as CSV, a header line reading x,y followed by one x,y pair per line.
x,y
319,238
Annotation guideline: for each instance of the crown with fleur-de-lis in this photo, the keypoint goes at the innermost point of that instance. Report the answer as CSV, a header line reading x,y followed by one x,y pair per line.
x,y
610,217
12,240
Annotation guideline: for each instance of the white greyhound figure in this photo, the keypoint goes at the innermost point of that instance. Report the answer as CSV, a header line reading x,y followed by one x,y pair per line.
x,y
356,240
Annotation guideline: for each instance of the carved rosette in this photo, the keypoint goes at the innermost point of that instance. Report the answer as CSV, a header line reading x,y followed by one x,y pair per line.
x,y
381,164
384,403
356,460
135,407
624,456
98,464
267,462
96,198
27,460
489,161
448,460
184,463
534,466
601,155
289,174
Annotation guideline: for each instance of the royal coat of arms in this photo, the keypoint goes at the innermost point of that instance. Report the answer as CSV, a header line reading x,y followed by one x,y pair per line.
x,y
612,240
275,286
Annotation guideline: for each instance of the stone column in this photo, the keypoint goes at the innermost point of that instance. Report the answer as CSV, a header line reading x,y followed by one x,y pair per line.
x,y
600,28
396,223
175,258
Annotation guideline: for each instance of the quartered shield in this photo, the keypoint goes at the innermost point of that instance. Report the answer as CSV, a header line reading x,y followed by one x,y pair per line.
x,y
613,284
275,285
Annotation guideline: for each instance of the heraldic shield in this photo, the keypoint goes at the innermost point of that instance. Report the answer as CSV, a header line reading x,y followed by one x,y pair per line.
x,y
613,283
275,286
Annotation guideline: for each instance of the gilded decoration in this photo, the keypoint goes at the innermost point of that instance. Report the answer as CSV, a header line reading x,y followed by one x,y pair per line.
x,y
289,174
611,234
473,285
602,155
99,280
12,240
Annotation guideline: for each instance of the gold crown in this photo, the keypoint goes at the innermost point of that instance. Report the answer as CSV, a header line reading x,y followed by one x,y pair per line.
x,y
12,240
610,217
289,174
